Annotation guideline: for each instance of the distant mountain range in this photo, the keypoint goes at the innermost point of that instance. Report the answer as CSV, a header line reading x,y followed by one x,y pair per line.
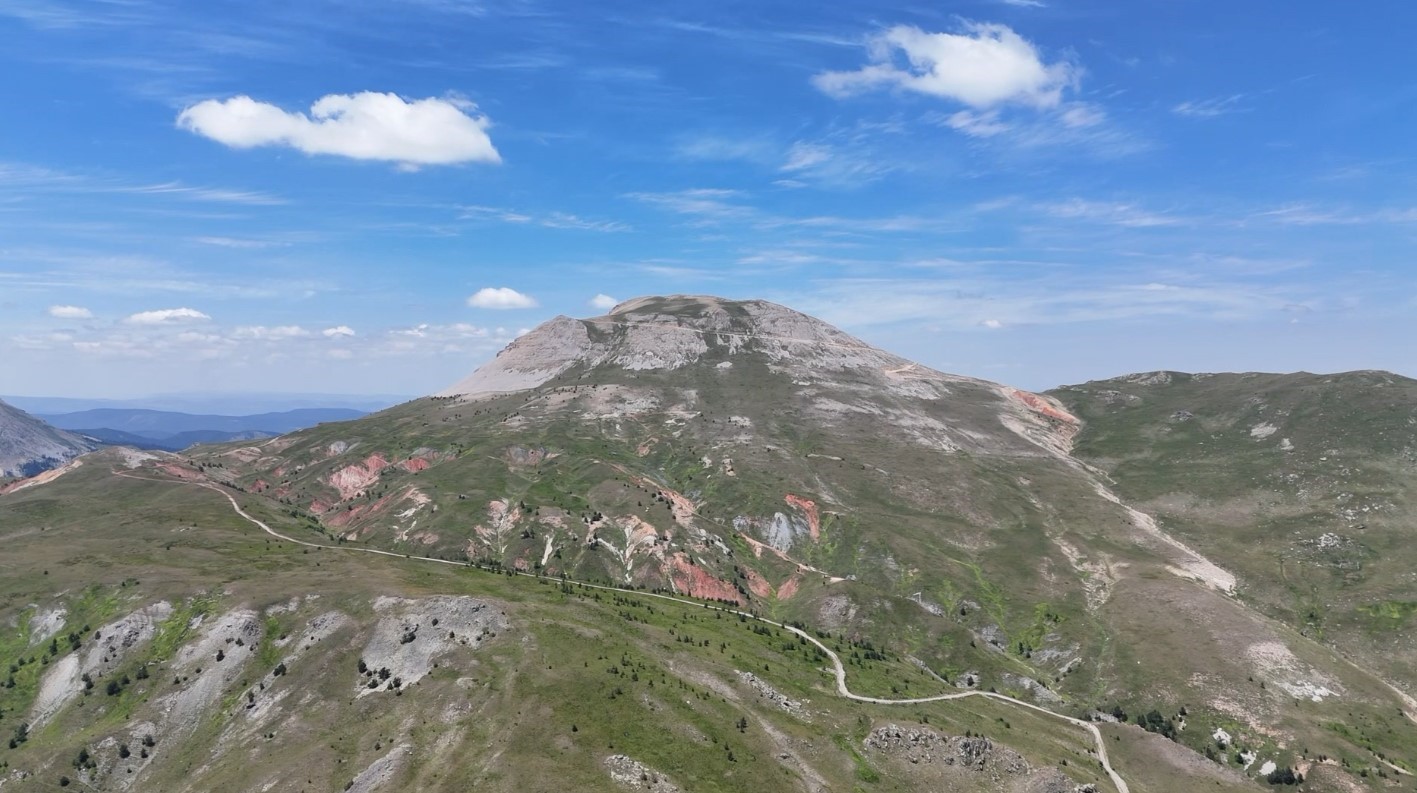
x,y
173,431
239,404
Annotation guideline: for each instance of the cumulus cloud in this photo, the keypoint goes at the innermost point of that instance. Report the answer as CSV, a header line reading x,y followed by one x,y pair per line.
x,y
70,312
166,316
501,298
603,302
992,324
339,331
983,66
363,126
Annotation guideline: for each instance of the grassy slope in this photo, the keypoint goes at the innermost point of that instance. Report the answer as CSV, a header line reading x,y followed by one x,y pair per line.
x,y
1304,484
516,700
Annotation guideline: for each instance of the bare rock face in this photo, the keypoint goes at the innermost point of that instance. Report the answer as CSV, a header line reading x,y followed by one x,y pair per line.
x,y
531,360
838,378
631,774
666,333
970,760
29,446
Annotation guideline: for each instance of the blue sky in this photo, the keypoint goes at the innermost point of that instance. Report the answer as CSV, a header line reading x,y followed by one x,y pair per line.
x,y
373,196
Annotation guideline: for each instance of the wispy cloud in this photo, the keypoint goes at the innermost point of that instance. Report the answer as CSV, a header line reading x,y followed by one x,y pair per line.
x,y
550,220
203,193
1312,215
1116,214
37,178
566,220
53,14
1210,108
709,205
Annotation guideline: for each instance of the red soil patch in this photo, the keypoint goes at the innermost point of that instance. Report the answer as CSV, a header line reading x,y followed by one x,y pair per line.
x,y
789,587
697,582
1038,404
351,479
809,508
260,486
758,585
415,464
186,474
343,518
319,507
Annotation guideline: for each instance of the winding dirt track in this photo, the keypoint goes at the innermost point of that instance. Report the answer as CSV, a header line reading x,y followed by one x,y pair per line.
x,y
838,669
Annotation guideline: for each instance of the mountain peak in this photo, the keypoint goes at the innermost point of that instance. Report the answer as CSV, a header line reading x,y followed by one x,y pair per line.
x,y
675,304
669,332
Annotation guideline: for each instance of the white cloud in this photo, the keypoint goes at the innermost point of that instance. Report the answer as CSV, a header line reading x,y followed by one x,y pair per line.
x,y
977,125
603,302
1024,3
565,220
805,155
166,316
501,298
338,331
278,333
363,126
707,204
70,312
552,220
1081,116
234,242
203,193
992,324
1209,108
983,66
1116,214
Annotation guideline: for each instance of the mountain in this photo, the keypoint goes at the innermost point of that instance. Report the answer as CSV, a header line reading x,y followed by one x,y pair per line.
x,y
172,443
29,446
161,424
692,544
1305,483
226,404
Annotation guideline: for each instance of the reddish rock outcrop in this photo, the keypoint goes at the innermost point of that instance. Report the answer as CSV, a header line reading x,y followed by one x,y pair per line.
x,y
758,585
809,510
353,479
697,582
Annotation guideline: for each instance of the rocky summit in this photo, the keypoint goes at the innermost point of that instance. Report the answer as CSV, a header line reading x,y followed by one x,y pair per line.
x,y
706,544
